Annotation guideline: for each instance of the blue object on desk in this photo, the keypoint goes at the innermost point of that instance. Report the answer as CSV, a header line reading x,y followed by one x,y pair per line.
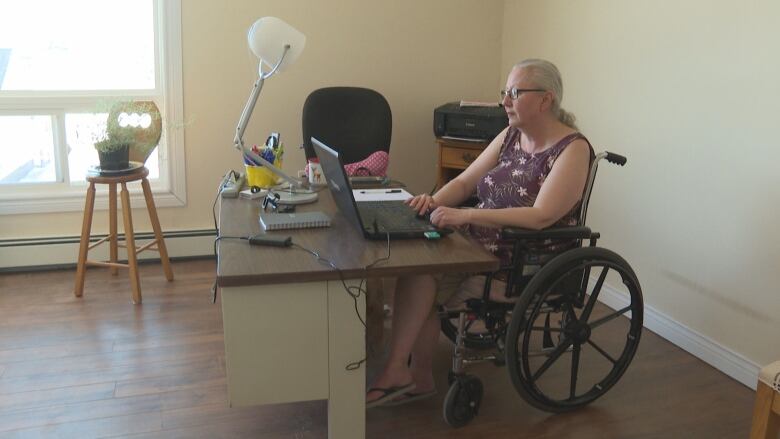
x,y
248,160
268,154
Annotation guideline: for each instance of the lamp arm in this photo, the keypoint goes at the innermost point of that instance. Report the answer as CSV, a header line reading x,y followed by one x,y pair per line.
x,y
278,63
243,121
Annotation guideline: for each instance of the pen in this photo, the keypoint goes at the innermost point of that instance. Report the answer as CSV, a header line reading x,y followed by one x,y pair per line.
x,y
391,191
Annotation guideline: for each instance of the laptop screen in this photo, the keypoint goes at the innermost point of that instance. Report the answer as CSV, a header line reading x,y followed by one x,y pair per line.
x,y
338,182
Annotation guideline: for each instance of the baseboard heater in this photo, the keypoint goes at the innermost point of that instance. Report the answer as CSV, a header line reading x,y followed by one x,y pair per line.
x,y
35,254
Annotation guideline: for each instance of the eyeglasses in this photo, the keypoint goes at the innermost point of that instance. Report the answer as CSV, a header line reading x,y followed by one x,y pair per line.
x,y
515,93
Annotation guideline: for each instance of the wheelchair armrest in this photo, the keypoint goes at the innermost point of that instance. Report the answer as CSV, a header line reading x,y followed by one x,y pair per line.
x,y
578,232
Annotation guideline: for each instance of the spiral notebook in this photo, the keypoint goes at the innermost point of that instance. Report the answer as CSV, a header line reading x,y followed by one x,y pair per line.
x,y
303,220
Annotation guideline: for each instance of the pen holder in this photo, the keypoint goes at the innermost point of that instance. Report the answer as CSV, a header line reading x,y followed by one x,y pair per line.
x,y
260,176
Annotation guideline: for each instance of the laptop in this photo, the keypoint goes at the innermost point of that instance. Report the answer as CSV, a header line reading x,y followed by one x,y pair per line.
x,y
376,219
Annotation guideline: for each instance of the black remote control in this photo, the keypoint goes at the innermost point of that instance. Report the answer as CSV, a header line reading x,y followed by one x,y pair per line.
x,y
276,241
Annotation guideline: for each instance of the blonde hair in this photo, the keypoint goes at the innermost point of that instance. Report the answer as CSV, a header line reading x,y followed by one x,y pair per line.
x,y
545,75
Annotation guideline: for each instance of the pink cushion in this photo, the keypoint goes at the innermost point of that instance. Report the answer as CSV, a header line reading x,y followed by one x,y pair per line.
x,y
374,165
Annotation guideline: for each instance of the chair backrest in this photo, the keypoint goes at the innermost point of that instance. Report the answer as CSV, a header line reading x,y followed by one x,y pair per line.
x,y
355,121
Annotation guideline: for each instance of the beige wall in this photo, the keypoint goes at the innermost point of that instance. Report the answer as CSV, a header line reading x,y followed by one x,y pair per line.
x,y
689,92
419,54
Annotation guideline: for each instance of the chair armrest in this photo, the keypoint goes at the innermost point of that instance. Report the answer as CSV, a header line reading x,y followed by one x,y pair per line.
x,y
578,232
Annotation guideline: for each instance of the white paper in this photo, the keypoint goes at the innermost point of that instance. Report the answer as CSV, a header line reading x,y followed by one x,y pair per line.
x,y
384,194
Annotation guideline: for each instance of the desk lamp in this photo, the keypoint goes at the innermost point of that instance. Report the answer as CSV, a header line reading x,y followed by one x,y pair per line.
x,y
278,45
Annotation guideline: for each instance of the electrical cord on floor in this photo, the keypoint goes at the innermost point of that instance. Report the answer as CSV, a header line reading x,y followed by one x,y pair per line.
x,y
354,291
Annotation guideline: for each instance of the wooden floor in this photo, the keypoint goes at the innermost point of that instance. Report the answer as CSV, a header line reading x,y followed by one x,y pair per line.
x,y
100,367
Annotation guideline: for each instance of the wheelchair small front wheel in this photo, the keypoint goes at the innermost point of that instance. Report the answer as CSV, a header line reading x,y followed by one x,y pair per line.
x,y
563,349
461,404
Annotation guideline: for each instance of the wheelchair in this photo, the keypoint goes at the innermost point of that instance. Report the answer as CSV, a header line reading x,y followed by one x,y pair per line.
x,y
552,325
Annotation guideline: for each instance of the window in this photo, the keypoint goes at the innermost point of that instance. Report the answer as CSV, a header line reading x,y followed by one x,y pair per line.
x,y
62,65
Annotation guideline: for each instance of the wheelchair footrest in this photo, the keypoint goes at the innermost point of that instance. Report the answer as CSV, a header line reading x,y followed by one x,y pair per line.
x,y
475,360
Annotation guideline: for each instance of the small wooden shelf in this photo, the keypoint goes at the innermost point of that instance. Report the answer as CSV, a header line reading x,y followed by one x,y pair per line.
x,y
455,156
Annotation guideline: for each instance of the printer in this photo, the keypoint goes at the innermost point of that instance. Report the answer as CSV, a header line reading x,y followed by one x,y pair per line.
x,y
469,122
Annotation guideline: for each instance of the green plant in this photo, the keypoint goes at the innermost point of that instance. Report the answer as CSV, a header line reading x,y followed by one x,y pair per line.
x,y
114,140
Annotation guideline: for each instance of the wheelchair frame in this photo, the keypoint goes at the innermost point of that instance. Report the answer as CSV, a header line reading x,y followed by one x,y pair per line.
x,y
522,333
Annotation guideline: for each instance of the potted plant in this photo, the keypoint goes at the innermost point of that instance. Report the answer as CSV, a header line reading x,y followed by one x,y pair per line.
x,y
113,149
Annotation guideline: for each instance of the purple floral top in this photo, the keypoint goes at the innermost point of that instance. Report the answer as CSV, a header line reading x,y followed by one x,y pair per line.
x,y
515,182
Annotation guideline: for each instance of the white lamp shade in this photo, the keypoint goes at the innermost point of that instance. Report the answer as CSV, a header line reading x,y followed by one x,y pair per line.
x,y
267,38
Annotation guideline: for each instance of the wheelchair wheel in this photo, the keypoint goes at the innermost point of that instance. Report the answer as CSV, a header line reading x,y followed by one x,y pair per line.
x,y
461,404
545,361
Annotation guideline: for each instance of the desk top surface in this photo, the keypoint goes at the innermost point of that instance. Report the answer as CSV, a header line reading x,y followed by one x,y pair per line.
x,y
239,264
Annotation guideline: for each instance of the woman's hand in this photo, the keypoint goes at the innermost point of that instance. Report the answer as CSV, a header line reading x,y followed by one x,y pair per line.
x,y
422,203
449,217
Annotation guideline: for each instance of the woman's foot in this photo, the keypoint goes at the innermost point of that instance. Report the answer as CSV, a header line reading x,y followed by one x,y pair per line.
x,y
422,375
412,396
393,385
391,380
387,394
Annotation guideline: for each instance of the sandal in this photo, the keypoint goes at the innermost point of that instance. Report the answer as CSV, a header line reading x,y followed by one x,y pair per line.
x,y
388,394
408,397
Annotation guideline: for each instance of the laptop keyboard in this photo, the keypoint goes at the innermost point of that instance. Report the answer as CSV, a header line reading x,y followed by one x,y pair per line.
x,y
392,216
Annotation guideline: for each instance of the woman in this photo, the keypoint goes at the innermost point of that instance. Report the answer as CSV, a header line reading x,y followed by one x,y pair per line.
x,y
532,175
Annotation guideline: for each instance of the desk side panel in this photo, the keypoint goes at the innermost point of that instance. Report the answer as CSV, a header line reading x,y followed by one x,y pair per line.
x,y
276,343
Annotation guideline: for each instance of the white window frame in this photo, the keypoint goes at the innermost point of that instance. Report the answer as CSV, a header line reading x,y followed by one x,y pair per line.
x,y
63,196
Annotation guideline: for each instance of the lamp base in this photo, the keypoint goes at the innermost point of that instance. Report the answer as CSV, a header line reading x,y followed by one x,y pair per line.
x,y
285,197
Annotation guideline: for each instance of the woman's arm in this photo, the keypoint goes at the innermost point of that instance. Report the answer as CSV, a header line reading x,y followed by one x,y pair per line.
x,y
461,187
561,190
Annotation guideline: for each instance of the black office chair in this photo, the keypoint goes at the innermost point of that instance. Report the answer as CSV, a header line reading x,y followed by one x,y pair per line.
x,y
554,324
354,121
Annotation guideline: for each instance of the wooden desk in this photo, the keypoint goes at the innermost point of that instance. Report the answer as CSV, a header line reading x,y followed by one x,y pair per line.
x,y
455,156
290,326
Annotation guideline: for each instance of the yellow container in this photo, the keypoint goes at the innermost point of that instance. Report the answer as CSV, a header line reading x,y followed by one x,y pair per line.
x,y
260,176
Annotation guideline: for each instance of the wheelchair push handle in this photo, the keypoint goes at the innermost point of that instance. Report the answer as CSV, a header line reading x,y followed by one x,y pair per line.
x,y
616,159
